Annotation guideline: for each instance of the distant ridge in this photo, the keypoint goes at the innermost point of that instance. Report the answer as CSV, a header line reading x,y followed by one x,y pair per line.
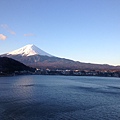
x,y
32,56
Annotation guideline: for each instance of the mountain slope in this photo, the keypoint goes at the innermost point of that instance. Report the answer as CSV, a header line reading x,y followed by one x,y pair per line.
x,y
32,56
44,62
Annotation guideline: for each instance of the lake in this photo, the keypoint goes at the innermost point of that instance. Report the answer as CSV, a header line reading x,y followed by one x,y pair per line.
x,y
39,97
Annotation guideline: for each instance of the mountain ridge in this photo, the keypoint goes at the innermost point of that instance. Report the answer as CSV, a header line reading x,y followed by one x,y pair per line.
x,y
9,65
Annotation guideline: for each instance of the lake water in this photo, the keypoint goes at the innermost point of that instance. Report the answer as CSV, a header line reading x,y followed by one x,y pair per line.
x,y
37,97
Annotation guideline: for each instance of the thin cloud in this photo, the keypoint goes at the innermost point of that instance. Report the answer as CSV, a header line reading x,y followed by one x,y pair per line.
x,y
29,34
3,37
5,26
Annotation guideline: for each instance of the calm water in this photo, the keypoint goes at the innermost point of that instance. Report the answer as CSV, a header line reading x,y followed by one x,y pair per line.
x,y
59,98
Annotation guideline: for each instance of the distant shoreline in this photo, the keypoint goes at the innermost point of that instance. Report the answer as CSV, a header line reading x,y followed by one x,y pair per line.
x,y
11,75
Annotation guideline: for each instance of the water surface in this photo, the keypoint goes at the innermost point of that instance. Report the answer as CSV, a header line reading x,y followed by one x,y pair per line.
x,y
38,97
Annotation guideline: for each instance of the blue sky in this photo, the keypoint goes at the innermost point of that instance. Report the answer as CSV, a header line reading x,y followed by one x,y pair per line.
x,y
81,30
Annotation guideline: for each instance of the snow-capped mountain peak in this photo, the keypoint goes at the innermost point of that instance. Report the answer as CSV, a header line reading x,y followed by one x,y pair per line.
x,y
29,50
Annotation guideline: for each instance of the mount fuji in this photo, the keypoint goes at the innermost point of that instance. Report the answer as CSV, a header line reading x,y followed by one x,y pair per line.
x,y
29,50
32,56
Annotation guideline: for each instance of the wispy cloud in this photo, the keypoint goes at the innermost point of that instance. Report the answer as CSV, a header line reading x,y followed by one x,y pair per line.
x,y
2,37
29,34
8,29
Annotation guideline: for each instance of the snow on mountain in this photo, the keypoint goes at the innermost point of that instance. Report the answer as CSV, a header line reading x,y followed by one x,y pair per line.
x,y
29,50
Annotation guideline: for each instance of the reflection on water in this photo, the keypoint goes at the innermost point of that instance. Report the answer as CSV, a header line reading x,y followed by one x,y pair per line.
x,y
59,97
